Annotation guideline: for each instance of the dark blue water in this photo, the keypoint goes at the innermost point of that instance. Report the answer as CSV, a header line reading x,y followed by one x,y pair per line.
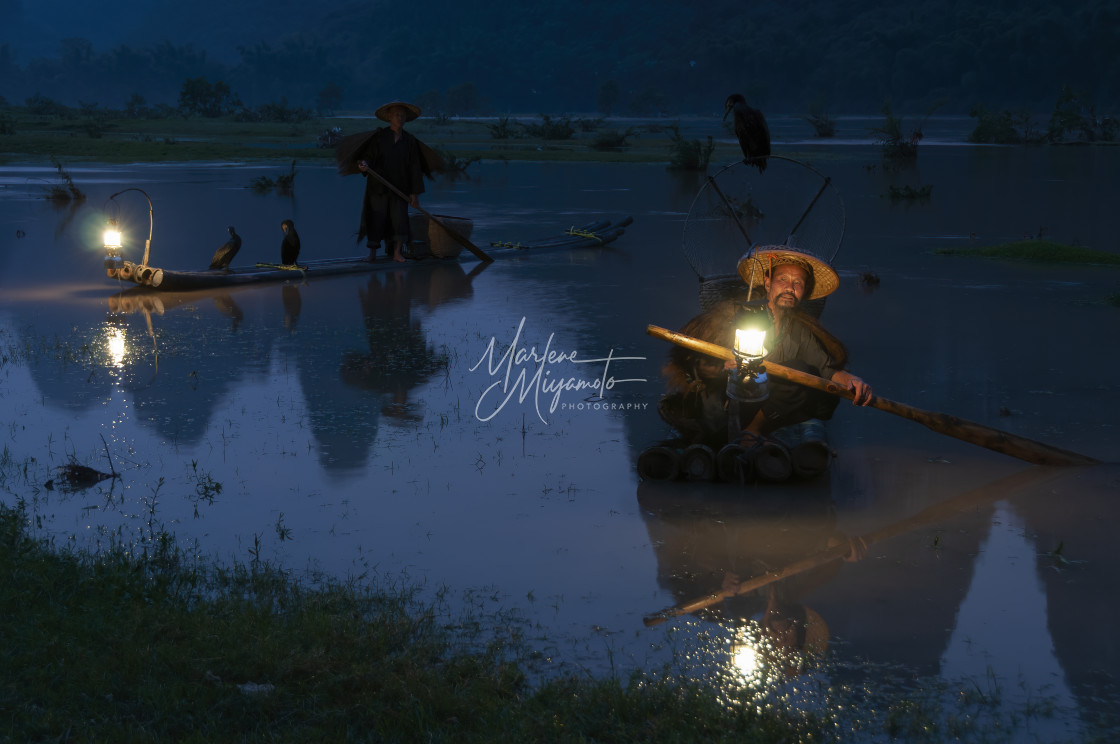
x,y
354,427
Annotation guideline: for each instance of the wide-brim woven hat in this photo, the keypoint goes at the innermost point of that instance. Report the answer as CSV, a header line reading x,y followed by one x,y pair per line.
x,y
756,263
412,111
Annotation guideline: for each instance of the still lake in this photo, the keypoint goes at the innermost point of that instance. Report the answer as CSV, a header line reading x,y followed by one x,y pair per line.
x,y
355,426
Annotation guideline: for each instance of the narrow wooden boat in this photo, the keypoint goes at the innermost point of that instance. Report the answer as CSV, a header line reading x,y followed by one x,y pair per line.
x,y
592,235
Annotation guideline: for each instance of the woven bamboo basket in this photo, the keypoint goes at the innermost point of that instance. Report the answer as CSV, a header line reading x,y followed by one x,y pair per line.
x,y
428,237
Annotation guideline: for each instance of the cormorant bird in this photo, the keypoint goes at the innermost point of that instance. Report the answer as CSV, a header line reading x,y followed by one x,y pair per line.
x,y
751,129
289,246
229,249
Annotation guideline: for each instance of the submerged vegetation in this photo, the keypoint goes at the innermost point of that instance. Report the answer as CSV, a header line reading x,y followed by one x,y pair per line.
x,y
65,192
1003,127
822,122
454,165
899,145
909,193
613,139
560,128
689,155
284,183
1037,250
1075,119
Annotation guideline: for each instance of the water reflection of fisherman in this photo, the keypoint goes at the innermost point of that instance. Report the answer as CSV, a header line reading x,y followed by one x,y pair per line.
x,y
793,632
399,356
708,544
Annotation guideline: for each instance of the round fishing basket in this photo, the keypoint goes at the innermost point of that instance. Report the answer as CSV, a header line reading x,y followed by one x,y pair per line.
x,y
739,208
430,237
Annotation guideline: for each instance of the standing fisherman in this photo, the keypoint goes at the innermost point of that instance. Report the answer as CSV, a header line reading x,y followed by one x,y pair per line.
x,y
393,154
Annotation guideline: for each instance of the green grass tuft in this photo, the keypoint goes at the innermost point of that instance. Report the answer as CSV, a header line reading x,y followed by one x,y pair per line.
x,y
1036,250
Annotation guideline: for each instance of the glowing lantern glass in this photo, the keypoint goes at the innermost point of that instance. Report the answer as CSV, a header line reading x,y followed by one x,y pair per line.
x,y
112,241
747,382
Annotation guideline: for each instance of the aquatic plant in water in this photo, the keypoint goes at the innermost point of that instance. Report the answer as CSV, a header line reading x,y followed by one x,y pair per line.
x,y
283,184
1036,250
909,193
613,139
65,192
692,155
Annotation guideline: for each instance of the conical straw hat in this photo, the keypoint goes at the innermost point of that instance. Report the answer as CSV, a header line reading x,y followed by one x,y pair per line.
x,y
760,260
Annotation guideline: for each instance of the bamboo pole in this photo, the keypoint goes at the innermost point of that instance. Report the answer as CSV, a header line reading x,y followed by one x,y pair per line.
x,y
958,428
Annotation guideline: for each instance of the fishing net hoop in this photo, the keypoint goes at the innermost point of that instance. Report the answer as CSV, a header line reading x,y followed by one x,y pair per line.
x,y
738,209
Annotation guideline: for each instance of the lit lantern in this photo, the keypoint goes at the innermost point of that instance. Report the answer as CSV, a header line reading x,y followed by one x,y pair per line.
x,y
750,342
747,382
112,239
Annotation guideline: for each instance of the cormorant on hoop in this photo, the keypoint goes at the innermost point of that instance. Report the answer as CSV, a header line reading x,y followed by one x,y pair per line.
x,y
751,129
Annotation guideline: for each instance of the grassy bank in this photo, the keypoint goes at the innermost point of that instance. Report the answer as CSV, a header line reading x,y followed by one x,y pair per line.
x,y
122,647
124,140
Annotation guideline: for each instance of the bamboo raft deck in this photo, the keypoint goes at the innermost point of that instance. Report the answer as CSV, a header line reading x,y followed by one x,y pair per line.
x,y
592,235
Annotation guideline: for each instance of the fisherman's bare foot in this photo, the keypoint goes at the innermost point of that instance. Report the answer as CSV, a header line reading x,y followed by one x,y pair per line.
x,y
399,258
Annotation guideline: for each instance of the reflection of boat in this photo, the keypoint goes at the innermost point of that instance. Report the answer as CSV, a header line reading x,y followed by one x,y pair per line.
x,y
714,519
168,280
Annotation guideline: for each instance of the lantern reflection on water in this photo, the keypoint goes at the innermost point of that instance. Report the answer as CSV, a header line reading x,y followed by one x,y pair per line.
x,y
116,344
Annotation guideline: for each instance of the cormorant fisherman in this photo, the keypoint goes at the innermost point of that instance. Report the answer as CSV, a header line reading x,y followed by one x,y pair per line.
x,y
697,404
394,155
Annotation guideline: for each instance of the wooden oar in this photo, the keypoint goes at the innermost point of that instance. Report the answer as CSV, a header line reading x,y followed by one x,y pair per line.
x,y
458,238
968,431
939,512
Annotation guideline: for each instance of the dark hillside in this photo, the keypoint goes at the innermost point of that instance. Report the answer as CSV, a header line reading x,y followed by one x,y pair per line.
x,y
626,56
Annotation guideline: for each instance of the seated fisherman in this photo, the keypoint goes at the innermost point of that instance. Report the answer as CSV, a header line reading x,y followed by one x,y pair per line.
x,y
697,402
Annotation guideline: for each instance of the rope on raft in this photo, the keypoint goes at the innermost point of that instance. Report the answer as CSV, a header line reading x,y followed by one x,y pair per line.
x,y
507,244
585,234
283,267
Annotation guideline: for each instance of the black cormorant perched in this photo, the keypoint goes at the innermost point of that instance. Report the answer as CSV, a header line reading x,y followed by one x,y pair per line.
x,y
289,247
751,129
229,249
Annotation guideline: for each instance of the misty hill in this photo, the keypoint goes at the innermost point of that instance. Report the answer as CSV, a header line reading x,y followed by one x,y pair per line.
x,y
665,57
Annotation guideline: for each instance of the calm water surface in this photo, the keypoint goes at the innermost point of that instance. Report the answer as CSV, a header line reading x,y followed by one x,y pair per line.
x,y
354,426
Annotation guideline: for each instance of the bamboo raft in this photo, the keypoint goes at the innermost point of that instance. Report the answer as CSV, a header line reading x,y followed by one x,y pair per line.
x,y
592,235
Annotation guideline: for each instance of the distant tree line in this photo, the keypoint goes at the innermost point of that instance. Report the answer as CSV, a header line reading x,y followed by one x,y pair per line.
x,y
622,59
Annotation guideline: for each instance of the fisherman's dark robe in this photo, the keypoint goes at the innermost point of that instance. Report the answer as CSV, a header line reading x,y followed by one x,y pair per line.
x,y
384,214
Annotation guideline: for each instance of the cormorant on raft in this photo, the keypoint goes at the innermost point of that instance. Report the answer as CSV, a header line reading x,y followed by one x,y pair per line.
x,y
224,255
289,246
751,129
